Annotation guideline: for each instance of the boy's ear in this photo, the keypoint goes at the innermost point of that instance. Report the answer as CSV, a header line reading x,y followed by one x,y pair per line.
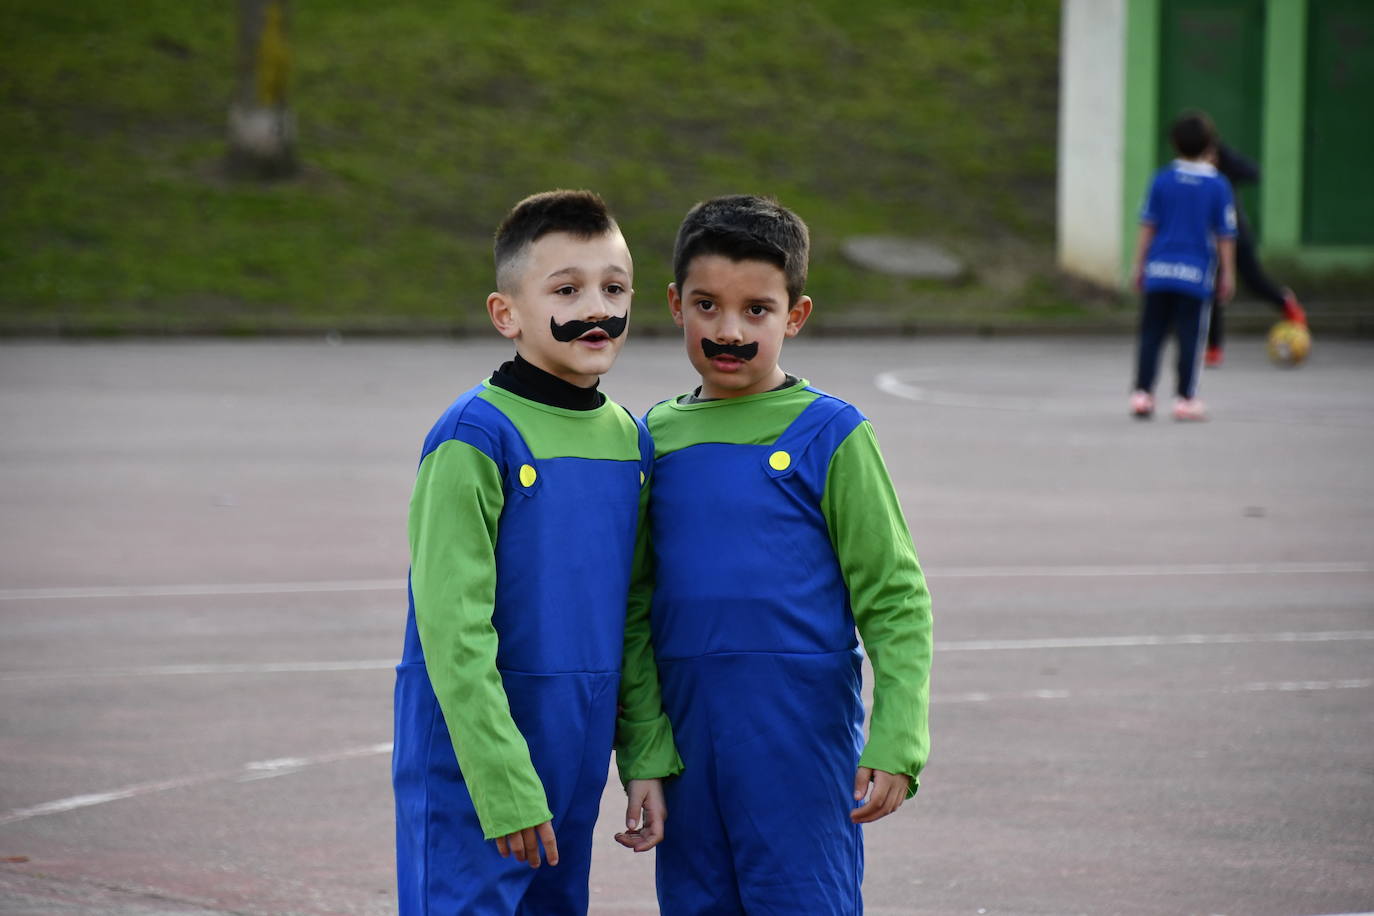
x,y
503,315
675,304
797,315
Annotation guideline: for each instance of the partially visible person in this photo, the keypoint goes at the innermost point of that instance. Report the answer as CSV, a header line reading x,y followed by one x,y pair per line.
x,y
1185,255
1239,170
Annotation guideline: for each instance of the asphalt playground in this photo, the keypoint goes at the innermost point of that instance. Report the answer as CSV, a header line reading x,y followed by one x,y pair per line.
x,y
1154,673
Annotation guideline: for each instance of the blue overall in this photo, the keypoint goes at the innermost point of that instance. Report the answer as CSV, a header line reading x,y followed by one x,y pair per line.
x,y
761,676
563,558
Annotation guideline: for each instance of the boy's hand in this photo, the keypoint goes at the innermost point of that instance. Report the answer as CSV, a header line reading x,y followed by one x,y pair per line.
x,y
525,844
644,816
889,791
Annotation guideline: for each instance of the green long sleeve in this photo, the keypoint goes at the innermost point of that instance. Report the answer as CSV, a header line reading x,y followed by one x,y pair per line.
x,y
891,604
644,747
454,512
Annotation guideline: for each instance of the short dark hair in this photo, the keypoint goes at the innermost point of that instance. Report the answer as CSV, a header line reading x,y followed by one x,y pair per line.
x,y
1192,133
582,214
745,227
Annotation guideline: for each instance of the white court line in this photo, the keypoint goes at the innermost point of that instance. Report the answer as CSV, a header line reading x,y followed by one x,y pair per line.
x,y
970,645
282,766
1151,570
258,769
912,385
176,591
978,696
1340,567
1181,639
368,664
1297,686
892,383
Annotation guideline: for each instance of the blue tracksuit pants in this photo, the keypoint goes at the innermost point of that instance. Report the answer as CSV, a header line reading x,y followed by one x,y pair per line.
x,y
1188,316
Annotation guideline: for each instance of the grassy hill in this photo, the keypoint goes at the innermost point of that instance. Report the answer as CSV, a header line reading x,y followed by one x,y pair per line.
x,y
421,122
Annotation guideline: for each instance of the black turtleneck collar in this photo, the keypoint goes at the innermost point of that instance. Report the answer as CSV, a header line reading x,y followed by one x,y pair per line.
x,y
523,378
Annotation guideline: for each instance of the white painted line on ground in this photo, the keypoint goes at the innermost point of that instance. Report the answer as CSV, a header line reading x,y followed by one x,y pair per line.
x,y
1181,639
914,385
893,383
99,798
179,591
971,645
283,766
1294,686
1151,570
259,769
179,670
979,696
1340,567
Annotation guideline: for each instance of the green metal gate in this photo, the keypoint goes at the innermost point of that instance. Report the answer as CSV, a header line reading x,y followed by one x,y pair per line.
x,y
1338,160
1212,58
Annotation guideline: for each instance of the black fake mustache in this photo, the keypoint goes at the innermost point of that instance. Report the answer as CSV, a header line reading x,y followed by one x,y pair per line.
x,y
738,351
571,330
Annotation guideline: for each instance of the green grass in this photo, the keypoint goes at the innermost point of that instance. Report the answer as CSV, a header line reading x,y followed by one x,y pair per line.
x,y
421,122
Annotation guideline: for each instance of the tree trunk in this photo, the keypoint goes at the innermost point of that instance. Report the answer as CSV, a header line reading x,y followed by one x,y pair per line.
x,y
262,130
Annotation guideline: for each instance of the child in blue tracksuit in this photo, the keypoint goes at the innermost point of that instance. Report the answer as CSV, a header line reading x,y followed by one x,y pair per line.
x,y
1187,226
776,533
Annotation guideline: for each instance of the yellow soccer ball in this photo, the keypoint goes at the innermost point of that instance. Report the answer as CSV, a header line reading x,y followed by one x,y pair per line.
x,y
1289,343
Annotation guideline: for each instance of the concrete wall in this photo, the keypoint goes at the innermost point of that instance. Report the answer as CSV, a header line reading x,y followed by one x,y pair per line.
x,y
1091,146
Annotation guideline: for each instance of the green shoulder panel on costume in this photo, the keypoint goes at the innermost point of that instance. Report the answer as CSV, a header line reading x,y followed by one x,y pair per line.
x,y
891,603
607,433
454,514
755,419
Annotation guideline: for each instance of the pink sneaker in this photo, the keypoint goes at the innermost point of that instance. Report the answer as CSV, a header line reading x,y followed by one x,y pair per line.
x,y
1142,404
1189,409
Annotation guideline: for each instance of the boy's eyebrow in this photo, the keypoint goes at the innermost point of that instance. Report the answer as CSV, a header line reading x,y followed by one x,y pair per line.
x,y
577,271
700,291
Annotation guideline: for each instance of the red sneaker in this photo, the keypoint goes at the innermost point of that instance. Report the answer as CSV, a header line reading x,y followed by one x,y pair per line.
x,y
1292,309
1213,358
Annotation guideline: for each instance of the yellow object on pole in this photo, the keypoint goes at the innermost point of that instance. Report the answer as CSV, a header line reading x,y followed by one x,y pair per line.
x,y
274,58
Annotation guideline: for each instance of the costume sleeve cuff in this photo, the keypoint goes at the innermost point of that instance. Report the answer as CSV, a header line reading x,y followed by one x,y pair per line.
x,y
510,822
911,769
644,749
507,798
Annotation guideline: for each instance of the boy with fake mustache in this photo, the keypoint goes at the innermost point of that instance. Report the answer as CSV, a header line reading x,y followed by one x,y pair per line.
x,y
507,691
775,534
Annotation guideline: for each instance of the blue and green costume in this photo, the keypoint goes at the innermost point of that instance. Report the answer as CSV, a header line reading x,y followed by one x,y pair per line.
x,y
776,533
522,530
